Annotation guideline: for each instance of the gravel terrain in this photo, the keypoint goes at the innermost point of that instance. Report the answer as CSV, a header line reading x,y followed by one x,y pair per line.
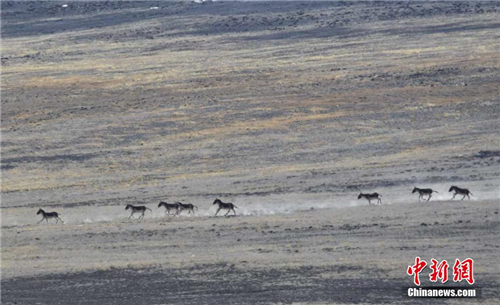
x,y
288,109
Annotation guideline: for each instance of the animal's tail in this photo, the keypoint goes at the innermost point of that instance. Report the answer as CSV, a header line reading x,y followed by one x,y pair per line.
x,y
379,195
195,207
435,191
471,193
235,206
149,209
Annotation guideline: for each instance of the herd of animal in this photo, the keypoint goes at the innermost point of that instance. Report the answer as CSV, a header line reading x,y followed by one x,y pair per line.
x,y
421,194
177,207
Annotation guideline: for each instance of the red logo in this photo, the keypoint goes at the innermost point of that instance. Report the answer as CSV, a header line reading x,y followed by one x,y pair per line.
x,y
462,270
416,269
439,271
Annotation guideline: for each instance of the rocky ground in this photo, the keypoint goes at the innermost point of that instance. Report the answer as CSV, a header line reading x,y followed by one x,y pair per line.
x,y
279,107
341,255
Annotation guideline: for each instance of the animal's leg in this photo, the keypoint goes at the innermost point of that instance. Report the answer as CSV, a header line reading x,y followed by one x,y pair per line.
x,y
217,211
131,215
47,220
453,196
234,212
41,220
192,211
468,196
463,197
379,201
429,197
419,197
57,220
369,202
229,210
60,219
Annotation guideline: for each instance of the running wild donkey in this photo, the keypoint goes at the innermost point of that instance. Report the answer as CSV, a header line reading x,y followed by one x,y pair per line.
x,y
459,191
47,216
169,206
224,206
187,206
137,209
423,192
371,197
